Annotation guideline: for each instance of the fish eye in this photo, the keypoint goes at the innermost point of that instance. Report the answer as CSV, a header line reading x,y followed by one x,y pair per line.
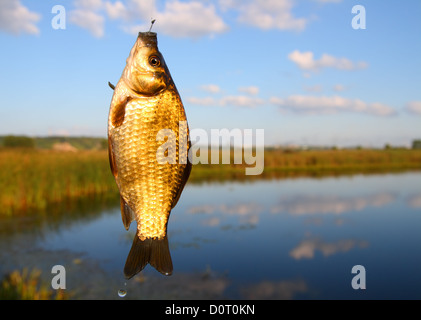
x,y
154,61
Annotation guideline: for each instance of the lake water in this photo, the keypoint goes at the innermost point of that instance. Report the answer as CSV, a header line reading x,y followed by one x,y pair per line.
x,y
267,239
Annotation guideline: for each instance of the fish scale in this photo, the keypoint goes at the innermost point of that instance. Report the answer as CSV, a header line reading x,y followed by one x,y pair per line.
x,y
142,173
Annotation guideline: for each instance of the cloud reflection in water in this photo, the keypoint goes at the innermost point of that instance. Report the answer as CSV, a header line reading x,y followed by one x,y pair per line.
x,y
303,205
307,248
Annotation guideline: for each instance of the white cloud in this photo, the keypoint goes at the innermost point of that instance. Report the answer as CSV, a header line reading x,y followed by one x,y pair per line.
x,y
295,103
236,101
89,4
215,89
252,90
306,61
142,9
189,19
338,87
206,101
177,19
330,105
15,18
91,14
87,15
414,107
131,10
328,1
266,14
117,10
247,101
89,20
211,88
241,101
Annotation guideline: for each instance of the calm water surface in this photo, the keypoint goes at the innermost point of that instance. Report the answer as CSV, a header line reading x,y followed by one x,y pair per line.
x,y
276,239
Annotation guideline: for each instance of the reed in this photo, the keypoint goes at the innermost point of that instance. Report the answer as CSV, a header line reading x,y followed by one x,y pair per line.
x,y
25,285
343,160
37,179
34,179
281,163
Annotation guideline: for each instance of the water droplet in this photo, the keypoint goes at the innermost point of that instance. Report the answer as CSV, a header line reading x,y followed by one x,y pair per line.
x,y
122,293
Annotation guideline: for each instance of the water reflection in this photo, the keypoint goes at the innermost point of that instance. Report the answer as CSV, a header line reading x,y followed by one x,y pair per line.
x,y
307,248
205,284
331,204
57,216
278,290
247,213
414,201
271,239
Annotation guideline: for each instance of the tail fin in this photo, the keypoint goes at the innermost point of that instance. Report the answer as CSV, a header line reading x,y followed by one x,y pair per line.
x,y
153,251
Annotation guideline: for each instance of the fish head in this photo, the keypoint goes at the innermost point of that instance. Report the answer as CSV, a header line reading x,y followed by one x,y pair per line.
x,y
146,72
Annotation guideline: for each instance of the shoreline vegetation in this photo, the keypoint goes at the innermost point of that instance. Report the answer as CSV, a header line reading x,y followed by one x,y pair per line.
x,y
34,178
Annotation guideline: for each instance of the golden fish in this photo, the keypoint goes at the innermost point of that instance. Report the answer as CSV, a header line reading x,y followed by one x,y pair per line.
x,y
145,101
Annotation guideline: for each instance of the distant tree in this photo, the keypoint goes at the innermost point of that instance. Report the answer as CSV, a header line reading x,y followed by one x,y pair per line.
x,y
18,142
416,144
387,146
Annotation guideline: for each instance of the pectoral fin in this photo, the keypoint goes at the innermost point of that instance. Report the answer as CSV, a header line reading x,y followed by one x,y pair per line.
x,y
111,157
119,111
127,214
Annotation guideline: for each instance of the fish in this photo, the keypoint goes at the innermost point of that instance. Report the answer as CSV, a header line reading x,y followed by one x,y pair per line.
x,y
146,101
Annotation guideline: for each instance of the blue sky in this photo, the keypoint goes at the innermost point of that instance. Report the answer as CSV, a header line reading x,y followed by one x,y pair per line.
x,y
295,68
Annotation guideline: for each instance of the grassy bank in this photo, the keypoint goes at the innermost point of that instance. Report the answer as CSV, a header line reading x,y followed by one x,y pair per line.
x,y
27,285
35,179
31,178
316,163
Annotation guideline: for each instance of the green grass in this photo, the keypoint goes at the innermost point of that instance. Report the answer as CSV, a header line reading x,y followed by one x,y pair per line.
x,y
81,143
363,160
315,163
35,179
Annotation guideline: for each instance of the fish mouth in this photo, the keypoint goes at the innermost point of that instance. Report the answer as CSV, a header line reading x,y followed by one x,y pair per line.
x,y
147,34
147,39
